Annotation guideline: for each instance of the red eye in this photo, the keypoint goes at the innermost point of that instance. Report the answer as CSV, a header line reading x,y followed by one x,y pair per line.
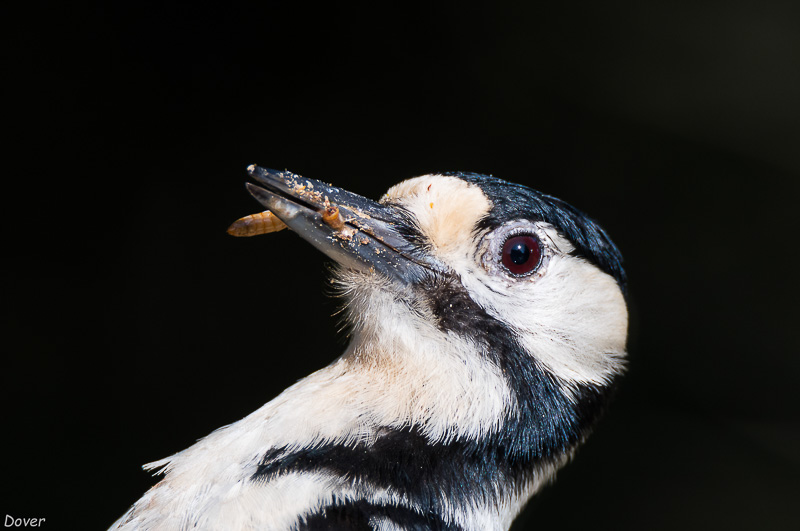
x,y
521,254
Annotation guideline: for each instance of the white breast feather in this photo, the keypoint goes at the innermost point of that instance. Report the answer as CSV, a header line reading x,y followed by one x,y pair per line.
x,y
417,378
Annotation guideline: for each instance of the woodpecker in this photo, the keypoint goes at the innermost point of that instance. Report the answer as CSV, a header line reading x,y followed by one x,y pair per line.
x,y
487,326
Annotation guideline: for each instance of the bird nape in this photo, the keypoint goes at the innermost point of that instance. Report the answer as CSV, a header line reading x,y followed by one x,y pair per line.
x,y
487,327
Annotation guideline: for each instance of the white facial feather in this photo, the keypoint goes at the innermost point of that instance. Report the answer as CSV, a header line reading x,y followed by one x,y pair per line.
x,y
569,315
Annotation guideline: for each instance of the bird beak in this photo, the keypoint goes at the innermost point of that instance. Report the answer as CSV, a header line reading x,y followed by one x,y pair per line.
x,y
356,232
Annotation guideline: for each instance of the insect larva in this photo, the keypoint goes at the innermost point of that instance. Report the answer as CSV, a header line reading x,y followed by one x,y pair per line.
x,y
330,215
255,224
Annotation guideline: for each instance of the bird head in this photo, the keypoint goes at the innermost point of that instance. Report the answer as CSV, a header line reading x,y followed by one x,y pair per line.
x,y
488,312
462,253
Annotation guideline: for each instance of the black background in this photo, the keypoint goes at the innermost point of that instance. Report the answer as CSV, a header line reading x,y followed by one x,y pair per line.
x,y
136,325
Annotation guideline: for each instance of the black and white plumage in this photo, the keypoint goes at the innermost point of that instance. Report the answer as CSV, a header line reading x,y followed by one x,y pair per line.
x,y
488,324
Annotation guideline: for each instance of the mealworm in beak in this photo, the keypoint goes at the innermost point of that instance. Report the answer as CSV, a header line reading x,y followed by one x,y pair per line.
x,y
255,224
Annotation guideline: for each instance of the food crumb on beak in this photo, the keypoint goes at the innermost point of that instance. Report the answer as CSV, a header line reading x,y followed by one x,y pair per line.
x,y
330,215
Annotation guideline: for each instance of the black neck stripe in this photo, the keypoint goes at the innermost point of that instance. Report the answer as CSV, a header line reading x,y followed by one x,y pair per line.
x,y
546,425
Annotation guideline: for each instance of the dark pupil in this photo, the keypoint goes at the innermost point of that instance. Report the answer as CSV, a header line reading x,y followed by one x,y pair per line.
x,y
519,253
